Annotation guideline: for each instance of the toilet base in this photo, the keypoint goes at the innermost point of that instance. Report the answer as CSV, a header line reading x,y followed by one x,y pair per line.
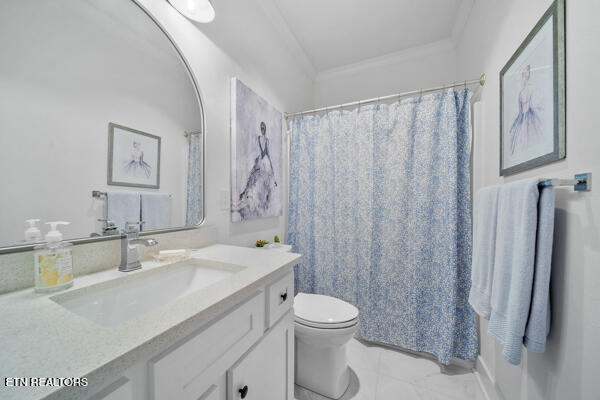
x,y
322,365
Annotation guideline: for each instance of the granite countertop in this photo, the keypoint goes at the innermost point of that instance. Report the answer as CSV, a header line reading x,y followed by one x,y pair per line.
x,y
40,338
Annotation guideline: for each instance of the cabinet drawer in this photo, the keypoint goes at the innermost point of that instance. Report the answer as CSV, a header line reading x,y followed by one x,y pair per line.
x,y
280,297
188,371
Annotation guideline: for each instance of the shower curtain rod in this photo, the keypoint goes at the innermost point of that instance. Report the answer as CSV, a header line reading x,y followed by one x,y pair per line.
x,y
480,81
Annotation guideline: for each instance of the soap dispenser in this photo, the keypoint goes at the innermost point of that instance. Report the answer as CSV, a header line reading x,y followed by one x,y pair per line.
x,y
33,234
53,261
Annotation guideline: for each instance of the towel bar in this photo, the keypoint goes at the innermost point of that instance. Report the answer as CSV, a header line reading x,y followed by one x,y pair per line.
x,y
100,195
581,182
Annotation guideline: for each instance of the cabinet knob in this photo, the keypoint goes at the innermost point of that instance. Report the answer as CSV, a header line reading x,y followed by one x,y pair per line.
x,y
243,391
283,296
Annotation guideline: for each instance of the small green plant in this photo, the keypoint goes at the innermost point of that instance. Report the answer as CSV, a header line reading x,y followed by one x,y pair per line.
x,y
261,243
276,239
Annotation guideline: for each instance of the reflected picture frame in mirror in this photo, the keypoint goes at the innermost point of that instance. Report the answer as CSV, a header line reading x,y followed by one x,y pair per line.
x,y
133,157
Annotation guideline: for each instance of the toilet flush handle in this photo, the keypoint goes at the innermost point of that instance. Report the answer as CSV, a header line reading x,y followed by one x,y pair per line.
x,y
283,296
243,391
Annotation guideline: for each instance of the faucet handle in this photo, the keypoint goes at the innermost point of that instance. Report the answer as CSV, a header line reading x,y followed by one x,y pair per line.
x,y
108,226
107,222
133,226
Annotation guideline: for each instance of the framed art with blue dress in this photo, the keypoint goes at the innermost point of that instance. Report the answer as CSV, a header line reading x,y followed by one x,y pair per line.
x,y
532,97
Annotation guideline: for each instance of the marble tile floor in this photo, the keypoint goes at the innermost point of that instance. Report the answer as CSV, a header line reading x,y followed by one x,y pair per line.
x,y
382,373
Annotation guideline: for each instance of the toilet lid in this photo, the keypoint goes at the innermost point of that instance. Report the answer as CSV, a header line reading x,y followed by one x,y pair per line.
x,y
319,310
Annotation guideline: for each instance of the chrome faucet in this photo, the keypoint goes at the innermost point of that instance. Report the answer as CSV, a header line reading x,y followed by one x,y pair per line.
x,y
130,257
108,227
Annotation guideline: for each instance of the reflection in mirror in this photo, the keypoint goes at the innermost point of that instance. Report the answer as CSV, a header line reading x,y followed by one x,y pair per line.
x,y
95,99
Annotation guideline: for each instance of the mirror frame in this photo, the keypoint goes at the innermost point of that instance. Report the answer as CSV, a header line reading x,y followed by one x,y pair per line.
x,y
190,73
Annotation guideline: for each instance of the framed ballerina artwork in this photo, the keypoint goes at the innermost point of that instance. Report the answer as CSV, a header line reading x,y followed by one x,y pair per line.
x,y
133,157
256,155
532,97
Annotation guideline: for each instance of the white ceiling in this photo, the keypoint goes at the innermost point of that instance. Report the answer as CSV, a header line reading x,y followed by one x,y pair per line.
x,y
335,33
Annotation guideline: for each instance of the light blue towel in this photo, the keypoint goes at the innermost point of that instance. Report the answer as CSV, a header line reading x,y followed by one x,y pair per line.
x,y
156,211
538,324
122,207
514,265
485,215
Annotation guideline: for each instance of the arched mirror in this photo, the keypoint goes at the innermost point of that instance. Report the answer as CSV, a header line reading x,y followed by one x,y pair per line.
x,y
101,122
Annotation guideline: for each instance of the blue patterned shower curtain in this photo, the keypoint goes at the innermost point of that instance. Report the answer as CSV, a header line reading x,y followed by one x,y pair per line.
x,y
194,207
380,208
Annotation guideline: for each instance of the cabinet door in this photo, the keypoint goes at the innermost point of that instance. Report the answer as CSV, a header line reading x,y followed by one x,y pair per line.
x,y
211,394
119,390
216,391
266,372
189,370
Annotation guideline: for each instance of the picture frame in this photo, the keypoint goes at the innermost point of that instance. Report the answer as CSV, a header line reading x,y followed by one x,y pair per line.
x,y
533,97
256,155
133,157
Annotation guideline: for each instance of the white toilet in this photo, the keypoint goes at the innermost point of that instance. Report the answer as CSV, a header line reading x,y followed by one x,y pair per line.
x,y
323,326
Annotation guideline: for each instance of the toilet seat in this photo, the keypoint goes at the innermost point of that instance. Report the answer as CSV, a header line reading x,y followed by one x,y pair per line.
x,y
340,325
324,312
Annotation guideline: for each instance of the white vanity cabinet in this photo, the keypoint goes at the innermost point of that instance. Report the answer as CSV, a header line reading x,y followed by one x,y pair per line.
x,y
190,369
119,390
245,353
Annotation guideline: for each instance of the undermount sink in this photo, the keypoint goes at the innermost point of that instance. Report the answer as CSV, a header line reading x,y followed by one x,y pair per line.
x,y
113,302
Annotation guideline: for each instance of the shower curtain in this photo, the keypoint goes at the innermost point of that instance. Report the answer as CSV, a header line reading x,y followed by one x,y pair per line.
x,y
380,209
193,214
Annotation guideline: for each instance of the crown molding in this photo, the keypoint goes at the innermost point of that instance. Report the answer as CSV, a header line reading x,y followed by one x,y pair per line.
x,y
387,59
290,40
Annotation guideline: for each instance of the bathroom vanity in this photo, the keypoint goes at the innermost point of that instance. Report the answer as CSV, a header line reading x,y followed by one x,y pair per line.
x,y
219,325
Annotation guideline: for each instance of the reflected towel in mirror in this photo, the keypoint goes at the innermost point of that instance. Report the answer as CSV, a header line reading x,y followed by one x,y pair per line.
x,y
156,211
122,207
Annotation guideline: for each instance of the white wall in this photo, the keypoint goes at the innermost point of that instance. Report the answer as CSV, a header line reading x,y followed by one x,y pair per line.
x,y
419,67
240,42
570,367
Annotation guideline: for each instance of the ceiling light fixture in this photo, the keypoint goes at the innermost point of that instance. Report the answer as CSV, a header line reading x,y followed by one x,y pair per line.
x,y
197,10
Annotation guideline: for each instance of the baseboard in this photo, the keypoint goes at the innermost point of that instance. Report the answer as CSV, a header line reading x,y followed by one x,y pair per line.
x,y
486,380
